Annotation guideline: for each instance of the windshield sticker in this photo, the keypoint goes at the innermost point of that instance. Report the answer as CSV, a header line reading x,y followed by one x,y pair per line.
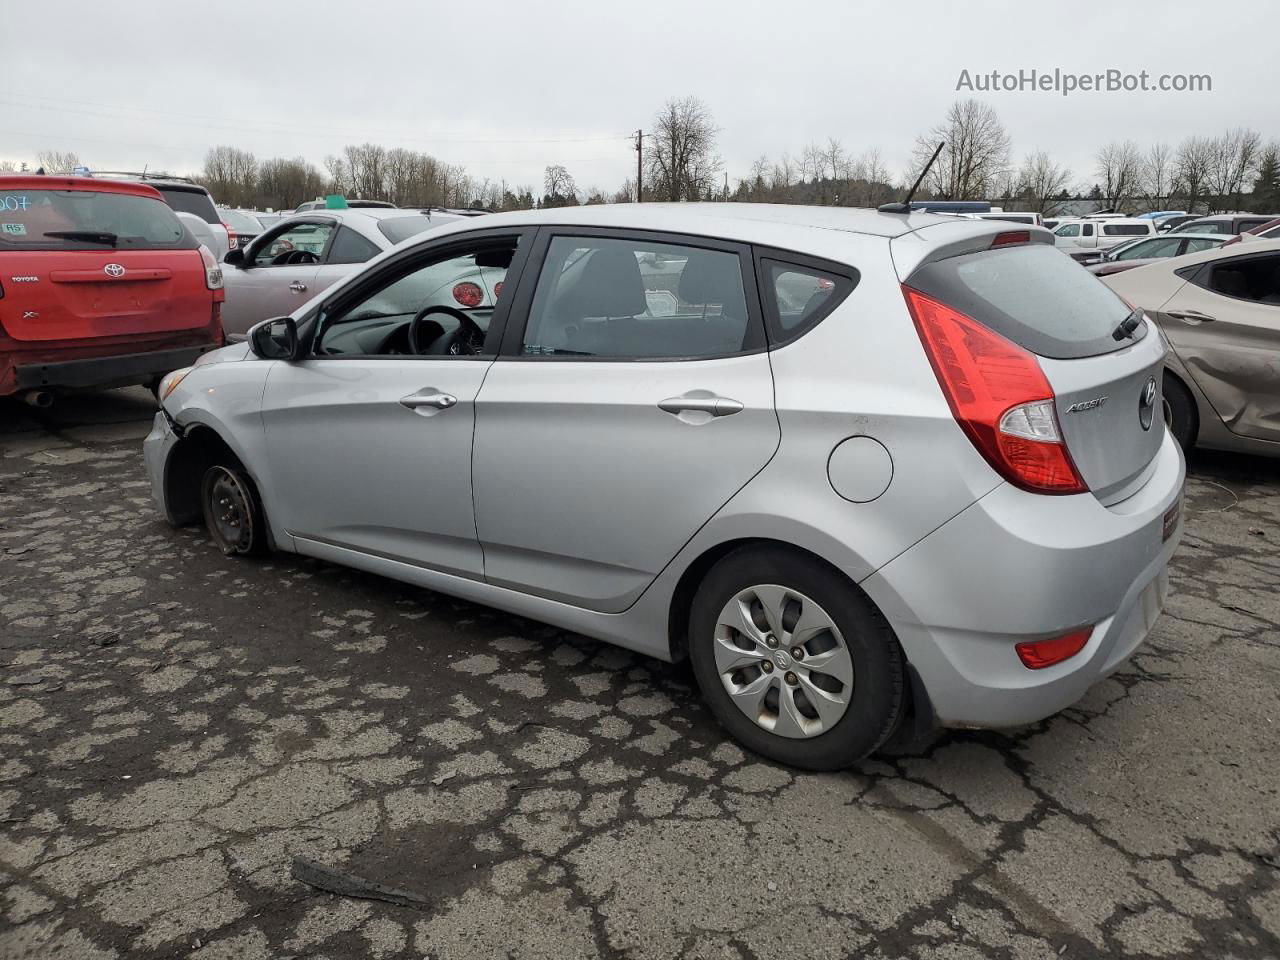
x,y
14,229
13,203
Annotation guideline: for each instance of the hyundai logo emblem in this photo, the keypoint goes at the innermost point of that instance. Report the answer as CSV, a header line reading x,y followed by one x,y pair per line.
x,y
1147,403
113,270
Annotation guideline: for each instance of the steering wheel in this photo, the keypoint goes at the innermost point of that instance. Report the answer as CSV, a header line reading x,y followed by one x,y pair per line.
x,y
293,257
467,339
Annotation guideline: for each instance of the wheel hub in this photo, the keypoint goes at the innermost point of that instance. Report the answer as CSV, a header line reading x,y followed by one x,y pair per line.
x,y
783,661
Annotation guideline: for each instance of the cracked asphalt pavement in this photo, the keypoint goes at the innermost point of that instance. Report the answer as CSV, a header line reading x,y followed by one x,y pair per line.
x,y
176,727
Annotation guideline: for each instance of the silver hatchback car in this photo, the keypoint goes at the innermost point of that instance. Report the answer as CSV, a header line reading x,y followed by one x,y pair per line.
x,y
863,469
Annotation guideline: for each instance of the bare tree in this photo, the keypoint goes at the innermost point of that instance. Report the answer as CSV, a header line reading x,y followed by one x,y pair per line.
x,y
560,190
1119,169
230,174
1233,157
683,162
833,157
976,153
1042,181
57,161
1191,167
812,163
1157,175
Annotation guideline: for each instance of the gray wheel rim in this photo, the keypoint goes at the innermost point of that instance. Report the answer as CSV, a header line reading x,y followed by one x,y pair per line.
x,y
783,661
231,511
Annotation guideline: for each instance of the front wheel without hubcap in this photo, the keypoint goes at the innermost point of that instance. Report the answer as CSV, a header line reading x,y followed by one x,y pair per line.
x,y
793,660
231,510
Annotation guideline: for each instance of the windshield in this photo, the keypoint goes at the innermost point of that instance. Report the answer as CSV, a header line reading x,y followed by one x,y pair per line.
x,y
87,219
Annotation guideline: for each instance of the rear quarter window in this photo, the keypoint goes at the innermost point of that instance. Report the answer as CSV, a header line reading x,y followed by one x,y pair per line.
x,y
1125,230
798,296
1032,294
87,220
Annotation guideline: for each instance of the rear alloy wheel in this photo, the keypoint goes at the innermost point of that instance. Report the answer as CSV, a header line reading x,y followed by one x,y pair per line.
x,y
231,510
793,661
1180,414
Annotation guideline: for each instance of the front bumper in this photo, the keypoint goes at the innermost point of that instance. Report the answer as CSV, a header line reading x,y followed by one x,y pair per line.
x,y
156,448
1015,567
109,371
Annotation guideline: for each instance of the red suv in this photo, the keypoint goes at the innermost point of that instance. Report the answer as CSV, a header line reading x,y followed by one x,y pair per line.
x,y
100,286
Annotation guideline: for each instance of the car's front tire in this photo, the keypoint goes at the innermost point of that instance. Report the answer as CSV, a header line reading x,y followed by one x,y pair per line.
x,y
232,511
793,660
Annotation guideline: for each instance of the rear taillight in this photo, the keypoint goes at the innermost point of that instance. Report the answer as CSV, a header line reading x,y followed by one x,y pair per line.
x,y
232,240
497,290
212,272
468,294
998,395
1045,653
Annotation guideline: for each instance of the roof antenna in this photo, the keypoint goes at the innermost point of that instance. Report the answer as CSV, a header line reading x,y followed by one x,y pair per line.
x,y
905,205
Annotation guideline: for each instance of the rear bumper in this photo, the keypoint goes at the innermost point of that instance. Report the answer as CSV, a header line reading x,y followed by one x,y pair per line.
x,y
1015,567
104,371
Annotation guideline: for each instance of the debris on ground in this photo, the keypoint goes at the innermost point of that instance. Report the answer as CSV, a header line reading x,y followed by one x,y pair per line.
x,y
344,884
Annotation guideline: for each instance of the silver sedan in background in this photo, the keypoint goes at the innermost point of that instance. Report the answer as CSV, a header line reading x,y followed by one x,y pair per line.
x,y
306,254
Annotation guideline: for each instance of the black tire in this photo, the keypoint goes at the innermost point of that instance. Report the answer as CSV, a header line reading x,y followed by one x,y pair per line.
x,y
232,510
878,694
1180,414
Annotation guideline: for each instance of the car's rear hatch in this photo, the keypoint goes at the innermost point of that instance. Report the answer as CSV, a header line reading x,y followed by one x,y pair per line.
x,y
79,264
1103,363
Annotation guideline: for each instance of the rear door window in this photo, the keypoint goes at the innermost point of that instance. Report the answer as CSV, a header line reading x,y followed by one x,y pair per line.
x,y
1255,278
87,219
1032,295
634,299
350,247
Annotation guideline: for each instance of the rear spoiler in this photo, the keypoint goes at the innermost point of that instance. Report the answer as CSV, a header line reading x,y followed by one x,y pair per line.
x,y
942,241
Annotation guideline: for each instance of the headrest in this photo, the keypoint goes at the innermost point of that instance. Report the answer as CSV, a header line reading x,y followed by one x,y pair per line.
x,y
712,277
610,286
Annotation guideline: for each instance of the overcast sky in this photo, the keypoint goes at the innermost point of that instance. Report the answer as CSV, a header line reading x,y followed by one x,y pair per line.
x,y
509,86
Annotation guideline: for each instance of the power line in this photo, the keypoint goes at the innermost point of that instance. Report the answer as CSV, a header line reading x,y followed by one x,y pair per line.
x,y
297,130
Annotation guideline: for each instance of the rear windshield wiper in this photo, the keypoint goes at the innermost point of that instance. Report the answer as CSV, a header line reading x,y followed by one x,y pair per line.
x,y
1127,326
90,236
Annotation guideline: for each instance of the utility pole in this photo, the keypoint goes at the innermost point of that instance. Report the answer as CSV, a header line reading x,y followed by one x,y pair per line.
x,y
639,166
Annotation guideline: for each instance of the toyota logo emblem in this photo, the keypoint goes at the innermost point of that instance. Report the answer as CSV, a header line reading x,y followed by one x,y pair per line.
x,y
1147,403
113,270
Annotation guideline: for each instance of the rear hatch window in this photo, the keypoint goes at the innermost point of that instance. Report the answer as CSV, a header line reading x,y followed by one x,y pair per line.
x,y
186,200
1034,295
88,219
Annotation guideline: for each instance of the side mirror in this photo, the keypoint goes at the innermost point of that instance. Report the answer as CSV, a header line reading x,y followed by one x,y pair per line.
x,y
275,339
235,257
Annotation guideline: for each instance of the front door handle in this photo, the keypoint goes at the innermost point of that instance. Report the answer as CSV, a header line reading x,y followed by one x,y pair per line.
x,y
716,406
298,286
1191,316
429,398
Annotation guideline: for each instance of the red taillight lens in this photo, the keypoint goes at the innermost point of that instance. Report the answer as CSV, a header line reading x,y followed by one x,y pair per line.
x,y
1045,653
497,290
232,240
998,395
468,294
1011,237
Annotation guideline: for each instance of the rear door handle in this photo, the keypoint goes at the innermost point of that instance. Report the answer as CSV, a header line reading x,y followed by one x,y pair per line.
x,y
716,406
1191,316
429,398
298,286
